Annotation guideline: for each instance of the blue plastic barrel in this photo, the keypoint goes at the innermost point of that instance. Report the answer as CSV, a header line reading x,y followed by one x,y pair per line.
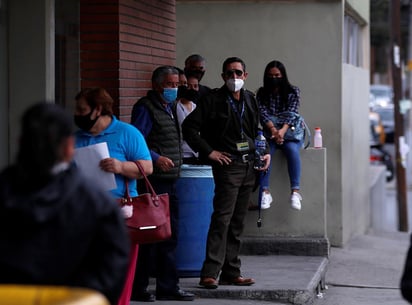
x,y
195,191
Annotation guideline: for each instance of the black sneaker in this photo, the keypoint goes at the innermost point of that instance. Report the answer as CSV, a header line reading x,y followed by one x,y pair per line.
x,y
144,296
178,295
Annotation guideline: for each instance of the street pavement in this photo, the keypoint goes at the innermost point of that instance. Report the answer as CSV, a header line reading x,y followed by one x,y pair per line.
x,y
366,271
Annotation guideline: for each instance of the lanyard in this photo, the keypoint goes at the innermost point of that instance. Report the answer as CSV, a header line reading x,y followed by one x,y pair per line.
x,y
239,115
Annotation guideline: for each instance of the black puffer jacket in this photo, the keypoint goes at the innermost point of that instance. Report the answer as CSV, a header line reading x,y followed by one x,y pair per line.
x,y
165,137
66,233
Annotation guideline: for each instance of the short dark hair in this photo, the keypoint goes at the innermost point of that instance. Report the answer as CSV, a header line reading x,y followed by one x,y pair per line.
x,y
97,97
181,72
194,57
44,127
232,60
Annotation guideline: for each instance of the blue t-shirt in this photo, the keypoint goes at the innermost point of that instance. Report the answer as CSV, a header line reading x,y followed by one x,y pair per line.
x,y
125,143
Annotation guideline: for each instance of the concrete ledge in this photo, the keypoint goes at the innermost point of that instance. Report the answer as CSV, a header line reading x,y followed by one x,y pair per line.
x,y
280,220
286,231
286,246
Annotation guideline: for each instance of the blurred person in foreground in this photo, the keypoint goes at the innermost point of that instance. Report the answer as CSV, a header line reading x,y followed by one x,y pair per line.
x,y
406,279
126,145
222,129
58,228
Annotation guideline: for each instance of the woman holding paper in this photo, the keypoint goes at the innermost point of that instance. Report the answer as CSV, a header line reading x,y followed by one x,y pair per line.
x,y
97,124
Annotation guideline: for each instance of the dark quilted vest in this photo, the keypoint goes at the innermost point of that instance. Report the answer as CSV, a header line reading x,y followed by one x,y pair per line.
x,y
164,138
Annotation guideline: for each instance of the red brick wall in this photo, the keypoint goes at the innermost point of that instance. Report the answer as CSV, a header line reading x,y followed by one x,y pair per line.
x,y
99,51
121,42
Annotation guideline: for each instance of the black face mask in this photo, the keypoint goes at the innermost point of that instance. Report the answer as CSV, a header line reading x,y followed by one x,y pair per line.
x,y
189,94
272,82
196,73
84,122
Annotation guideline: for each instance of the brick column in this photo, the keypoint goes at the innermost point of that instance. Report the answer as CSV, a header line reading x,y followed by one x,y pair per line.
x,y
121,42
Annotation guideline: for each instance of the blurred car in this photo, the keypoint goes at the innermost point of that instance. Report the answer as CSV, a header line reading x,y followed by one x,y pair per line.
x,y
387,115
377,131
378,155
381,95
371,101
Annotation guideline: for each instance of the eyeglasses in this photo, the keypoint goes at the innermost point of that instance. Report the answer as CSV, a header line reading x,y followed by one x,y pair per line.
x,y
229,73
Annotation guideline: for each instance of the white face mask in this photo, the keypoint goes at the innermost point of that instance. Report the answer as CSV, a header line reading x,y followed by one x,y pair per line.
x,y
234,84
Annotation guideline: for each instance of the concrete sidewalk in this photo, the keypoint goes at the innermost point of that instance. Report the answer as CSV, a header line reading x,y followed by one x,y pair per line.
x,y
366,271
279,279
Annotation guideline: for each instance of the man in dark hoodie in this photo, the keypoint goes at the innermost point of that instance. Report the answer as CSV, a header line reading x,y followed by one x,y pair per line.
x,y
57,228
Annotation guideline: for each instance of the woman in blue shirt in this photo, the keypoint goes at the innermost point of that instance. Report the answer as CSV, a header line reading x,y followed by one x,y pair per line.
x,y
94,116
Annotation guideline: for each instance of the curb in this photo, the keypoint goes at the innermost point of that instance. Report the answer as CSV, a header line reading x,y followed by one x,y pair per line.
x,y
305,246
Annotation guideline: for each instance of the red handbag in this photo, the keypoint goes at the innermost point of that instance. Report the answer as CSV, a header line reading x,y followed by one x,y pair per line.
x,y
150,221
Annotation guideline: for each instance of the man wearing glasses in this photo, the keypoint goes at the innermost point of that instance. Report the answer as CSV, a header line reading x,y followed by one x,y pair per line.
x,y
222,129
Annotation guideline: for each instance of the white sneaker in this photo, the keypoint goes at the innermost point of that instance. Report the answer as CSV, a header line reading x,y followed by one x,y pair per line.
x,y
295,201
266,201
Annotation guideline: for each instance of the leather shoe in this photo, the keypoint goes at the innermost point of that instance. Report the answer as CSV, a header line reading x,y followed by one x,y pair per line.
x,y
238,281
144,296
208,282
178,295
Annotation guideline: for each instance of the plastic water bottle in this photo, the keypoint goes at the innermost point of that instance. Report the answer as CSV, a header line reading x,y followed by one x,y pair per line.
x,y
260,145
317,138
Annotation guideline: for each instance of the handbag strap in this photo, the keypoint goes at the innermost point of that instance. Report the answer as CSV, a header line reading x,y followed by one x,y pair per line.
x,y
149,186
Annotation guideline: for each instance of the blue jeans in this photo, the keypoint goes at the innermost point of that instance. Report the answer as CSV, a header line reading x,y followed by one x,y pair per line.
x,y
291,149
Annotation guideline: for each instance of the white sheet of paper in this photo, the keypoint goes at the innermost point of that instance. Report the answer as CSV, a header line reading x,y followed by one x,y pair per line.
x,y
88,158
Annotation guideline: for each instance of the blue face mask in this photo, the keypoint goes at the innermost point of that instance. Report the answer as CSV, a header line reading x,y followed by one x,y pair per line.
x,y
170,94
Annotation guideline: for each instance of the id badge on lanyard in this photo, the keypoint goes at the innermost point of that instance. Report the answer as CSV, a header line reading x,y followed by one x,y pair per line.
x,y
243,144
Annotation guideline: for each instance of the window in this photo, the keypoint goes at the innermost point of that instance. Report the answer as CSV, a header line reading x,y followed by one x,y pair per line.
x,y
352,42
